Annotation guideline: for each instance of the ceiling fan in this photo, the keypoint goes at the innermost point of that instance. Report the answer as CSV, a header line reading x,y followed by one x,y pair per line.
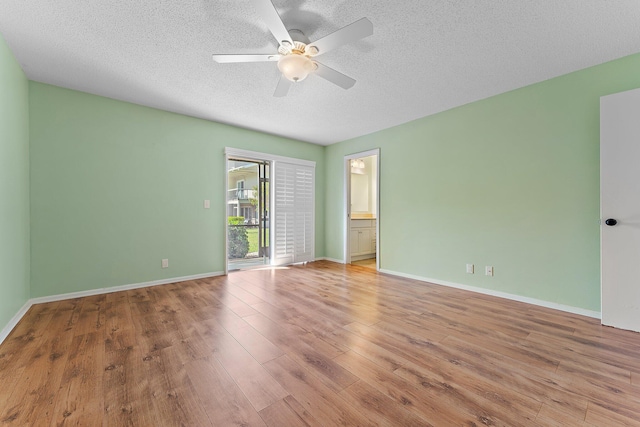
x,y
296,53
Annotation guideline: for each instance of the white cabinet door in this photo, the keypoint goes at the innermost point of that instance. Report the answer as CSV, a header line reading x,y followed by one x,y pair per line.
x,y
354,241
364,241
362,237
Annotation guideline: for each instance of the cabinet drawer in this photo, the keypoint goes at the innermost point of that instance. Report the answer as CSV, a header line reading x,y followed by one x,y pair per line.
x,y
360,223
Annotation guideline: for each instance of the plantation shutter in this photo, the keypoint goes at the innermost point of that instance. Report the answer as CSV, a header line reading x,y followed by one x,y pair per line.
x,y
293,187
304,223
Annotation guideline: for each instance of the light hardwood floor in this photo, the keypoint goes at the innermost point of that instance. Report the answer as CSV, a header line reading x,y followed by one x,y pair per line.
x,y
369,263
320,345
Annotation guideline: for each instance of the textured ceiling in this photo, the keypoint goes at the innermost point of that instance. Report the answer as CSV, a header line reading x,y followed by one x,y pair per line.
x,y
424,56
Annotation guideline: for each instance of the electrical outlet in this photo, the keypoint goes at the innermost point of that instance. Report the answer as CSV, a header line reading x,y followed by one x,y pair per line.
x,y
165,263
488,270
470,268
207,204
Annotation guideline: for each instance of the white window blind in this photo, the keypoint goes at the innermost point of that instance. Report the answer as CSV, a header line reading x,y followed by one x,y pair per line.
x,y
293,187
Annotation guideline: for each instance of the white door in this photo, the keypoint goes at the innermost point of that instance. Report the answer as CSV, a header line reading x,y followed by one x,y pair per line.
x,y
620,202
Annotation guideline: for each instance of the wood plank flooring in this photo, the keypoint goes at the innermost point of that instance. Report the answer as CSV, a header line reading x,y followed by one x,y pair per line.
x,y
369,262
316,345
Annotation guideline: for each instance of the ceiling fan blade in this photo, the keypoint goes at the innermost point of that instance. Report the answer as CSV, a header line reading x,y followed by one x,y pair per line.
x,y
335,77
270,16
222,59
283,87
351,33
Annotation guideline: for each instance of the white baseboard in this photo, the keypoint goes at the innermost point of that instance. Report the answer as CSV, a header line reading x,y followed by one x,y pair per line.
x,y
60,297
534,301
14,321
339,261
99,291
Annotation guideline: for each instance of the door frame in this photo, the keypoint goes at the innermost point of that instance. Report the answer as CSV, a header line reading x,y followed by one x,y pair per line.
x,y
347,203
231,154
273,159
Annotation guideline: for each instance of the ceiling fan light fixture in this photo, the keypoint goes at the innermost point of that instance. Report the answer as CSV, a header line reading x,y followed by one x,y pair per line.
x,y
295,67
296,53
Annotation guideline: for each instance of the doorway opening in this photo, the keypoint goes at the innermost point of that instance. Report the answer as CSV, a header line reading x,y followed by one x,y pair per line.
x,y
247,213
362,218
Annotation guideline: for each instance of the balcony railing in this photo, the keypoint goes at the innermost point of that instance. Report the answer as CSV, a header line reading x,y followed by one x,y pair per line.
x,y
241,194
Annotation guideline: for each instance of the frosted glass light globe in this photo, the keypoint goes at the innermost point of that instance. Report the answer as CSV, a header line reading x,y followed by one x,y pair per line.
x,y
295,67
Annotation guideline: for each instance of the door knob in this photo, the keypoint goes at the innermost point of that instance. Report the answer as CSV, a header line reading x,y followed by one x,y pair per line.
x,y
611,222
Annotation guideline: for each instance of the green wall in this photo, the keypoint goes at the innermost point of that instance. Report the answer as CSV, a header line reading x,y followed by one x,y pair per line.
x,y
14,186
511,181
116,187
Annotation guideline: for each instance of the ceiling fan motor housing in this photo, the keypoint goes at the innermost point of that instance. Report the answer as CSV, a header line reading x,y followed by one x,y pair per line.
x,y
298,36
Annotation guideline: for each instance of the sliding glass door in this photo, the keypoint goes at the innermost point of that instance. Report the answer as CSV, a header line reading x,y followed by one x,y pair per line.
x,y
247,213
270,209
